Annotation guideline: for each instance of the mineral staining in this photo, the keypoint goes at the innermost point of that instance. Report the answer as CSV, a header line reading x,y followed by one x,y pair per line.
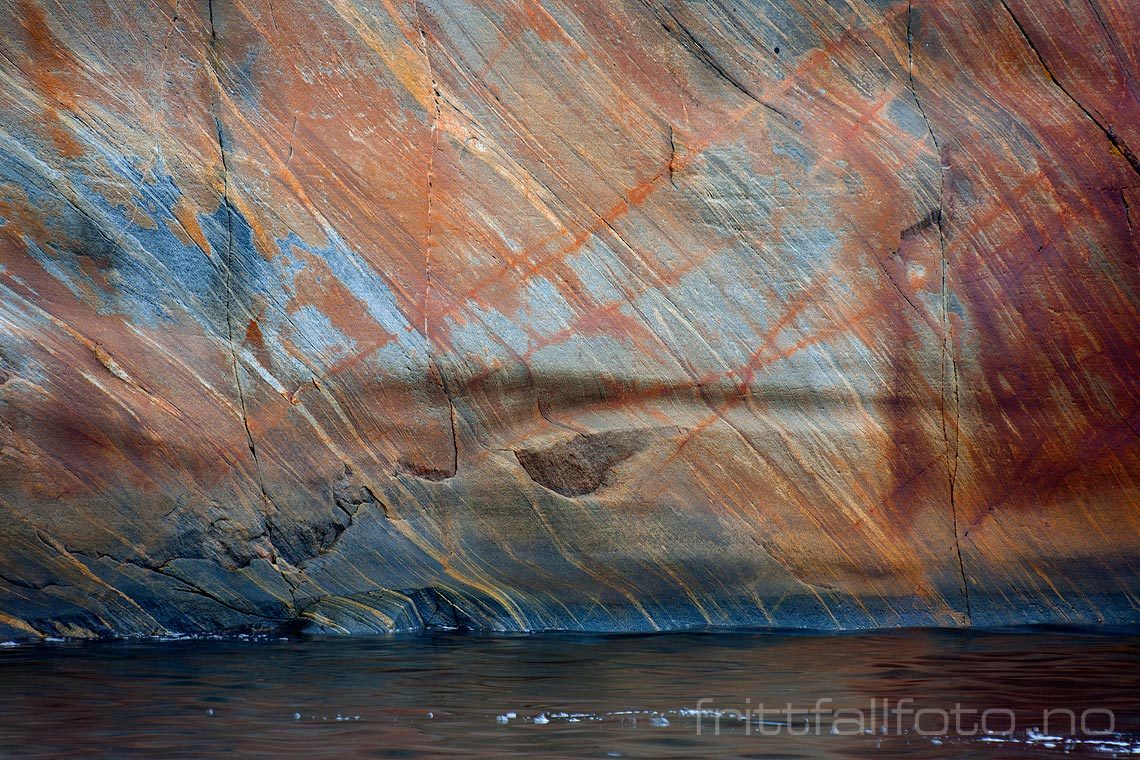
x,y
596,316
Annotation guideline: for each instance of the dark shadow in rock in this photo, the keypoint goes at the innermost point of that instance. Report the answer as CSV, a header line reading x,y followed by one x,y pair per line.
x,y
581,465
299,538
450,609
424,472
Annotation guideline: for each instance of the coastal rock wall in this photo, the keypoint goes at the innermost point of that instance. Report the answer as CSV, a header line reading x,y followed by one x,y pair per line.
x,y
369,315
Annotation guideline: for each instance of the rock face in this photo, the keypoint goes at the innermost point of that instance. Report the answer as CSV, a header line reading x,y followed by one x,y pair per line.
x,y
366,315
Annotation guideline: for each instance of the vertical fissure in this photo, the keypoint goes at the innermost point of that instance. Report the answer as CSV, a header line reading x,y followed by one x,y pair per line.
x,y
429,339
672,156
227,263
949,367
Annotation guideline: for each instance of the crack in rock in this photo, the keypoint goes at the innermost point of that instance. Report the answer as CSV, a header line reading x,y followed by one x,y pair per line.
x,y
948,362
1108,131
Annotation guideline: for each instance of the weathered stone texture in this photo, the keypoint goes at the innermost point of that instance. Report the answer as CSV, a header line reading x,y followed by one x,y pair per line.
x,y
367,314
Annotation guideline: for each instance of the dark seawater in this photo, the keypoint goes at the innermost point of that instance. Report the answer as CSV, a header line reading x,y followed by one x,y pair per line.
x,y
602,696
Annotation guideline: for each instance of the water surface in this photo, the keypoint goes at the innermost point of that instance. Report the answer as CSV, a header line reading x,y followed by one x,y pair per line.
x,y
574,696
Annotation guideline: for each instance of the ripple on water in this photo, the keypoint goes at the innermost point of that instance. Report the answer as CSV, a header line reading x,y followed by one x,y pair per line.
x,y
564,696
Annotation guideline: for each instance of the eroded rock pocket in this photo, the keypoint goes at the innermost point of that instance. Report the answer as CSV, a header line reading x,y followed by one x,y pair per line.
x,y
584,463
